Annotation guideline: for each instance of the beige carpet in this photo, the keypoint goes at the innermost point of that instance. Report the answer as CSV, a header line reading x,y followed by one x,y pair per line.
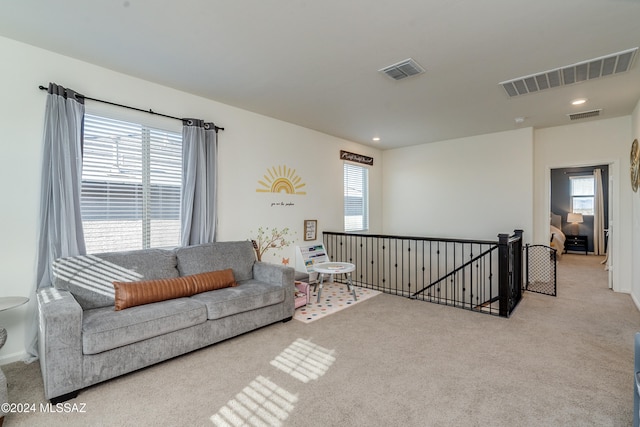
x,y
389,361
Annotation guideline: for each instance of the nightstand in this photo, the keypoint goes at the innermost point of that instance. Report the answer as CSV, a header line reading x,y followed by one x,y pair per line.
x,y
577,243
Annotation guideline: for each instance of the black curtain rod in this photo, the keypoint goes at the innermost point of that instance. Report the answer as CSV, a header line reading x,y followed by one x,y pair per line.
x,y
584,172
150,111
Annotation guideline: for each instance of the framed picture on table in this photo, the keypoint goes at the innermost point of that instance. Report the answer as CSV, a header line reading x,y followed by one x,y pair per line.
x,y
310,229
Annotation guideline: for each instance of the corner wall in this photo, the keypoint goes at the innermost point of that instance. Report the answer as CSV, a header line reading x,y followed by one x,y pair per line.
x,y
635,218
474,188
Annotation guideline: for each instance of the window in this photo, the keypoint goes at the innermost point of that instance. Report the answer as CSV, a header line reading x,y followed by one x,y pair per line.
x,y
582,194
356,198
131,181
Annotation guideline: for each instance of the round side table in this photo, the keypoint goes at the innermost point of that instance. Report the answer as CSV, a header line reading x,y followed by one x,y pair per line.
x,y
335,268
7,303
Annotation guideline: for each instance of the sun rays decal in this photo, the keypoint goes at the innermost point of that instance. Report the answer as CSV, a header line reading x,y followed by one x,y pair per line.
x,y
281,179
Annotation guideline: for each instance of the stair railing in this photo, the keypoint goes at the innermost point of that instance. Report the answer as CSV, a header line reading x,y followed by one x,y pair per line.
x,y
456,272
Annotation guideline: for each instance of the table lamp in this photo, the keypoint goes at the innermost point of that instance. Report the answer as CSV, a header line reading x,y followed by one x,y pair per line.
x,y
575,219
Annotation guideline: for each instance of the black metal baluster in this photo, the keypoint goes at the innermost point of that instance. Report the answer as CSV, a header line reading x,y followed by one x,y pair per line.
x,y
461,272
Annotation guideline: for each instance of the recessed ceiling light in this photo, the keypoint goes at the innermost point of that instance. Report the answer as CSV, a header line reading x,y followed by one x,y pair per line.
x,y
519,120
375,138
578,101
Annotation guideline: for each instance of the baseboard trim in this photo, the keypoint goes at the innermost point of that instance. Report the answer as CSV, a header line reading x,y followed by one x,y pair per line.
x,y
635,300
13,357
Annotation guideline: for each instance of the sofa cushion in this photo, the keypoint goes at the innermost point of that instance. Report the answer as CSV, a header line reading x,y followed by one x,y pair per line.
x,y
90,278
248,295
105,329
131,294
150,263
238,256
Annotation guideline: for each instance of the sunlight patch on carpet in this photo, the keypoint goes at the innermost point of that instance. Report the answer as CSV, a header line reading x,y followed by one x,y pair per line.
x,y
304,360
335,297
261,403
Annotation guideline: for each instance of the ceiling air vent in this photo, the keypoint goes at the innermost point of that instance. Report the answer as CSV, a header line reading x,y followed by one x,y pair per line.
x,y
585,114
587,70
403,69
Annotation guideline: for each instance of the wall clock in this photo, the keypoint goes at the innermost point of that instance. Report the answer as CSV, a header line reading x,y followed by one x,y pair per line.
x,y
635,165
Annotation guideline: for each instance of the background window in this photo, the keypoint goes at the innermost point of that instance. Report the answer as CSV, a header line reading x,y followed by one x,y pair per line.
x,y
356,198
131,181
582,194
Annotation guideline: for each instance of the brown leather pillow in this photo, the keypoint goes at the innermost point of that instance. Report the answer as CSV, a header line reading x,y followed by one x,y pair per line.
x,y
130,294
213,280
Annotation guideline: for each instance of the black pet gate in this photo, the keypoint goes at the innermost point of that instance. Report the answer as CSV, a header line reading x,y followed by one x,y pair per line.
x,y
541,272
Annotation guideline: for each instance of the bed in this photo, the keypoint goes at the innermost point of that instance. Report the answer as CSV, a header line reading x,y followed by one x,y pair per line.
x,y
557,237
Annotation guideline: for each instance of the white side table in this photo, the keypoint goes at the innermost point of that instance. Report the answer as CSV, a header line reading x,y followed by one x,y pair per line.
x,y
333,268
7,303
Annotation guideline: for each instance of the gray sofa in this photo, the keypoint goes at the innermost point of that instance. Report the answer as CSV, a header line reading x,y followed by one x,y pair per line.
x,y
83,340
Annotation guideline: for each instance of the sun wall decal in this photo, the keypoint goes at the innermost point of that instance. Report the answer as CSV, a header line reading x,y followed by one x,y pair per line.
x,y
281,179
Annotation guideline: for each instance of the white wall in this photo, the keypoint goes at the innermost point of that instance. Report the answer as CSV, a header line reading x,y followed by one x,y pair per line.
x,y
250,144
635,213
314,157
590,143
473,187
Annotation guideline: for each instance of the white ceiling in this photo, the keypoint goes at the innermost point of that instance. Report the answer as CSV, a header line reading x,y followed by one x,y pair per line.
x,y
315,63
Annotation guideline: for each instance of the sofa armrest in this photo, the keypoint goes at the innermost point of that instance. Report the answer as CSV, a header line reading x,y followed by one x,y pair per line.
x,y
59,341
273,274
278,275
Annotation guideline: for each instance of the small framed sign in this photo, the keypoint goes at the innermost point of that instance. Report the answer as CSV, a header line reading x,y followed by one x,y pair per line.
x,y
310,229
358,158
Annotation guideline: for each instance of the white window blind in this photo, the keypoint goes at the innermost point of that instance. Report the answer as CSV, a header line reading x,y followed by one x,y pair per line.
x,y
356,198
131,180
582,194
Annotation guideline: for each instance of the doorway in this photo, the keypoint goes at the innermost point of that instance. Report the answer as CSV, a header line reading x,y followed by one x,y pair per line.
x,y
570,194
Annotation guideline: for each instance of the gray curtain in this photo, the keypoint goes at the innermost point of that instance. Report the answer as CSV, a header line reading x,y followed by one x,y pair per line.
x,y
598,214
60,229
199,186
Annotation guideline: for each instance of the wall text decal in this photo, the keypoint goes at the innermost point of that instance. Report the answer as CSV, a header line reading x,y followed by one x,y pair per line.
x,y
358,158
